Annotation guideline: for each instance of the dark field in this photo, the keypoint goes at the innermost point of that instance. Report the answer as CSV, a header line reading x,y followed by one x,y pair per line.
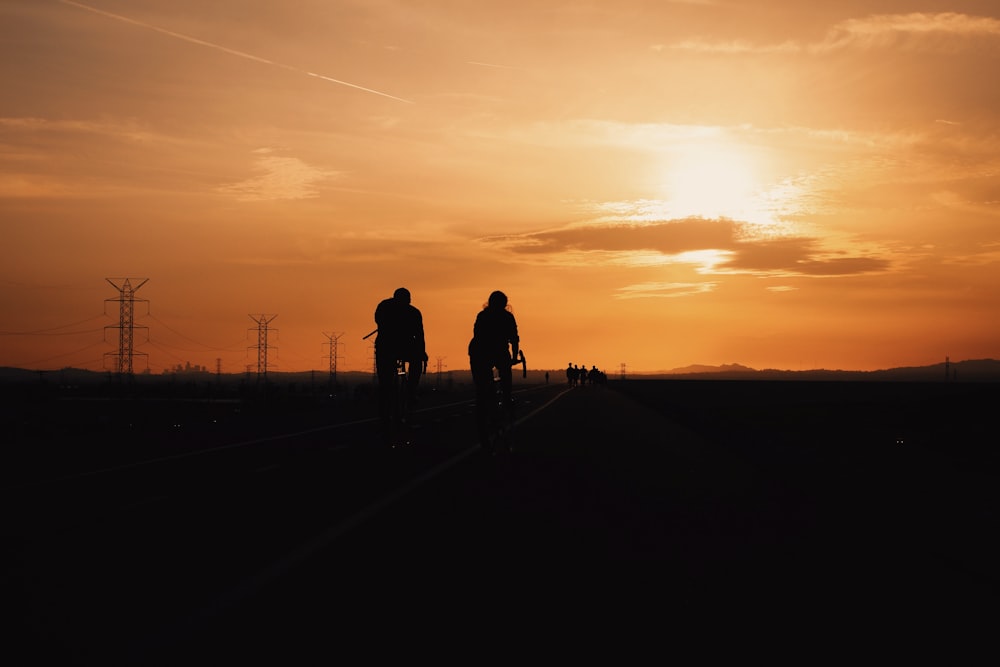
x,y
293,523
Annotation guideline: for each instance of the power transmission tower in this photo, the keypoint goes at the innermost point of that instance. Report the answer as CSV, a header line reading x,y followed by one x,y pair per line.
x,y
331,341
371,356
440,366
623,371
126,323
262,346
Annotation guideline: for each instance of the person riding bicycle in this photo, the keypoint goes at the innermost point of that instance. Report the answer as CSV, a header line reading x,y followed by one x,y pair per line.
x,y
494,344
400,337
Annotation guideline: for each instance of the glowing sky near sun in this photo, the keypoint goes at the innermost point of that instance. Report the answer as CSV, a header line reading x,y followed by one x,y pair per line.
x,y
656,184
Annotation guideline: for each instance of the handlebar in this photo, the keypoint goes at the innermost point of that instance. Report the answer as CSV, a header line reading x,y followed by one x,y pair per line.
x,y
522,362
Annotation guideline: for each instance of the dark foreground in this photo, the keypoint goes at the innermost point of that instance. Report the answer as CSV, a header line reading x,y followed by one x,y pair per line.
x,y
623,503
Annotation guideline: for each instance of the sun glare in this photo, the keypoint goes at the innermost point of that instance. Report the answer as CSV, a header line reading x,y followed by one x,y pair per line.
x,y
714,181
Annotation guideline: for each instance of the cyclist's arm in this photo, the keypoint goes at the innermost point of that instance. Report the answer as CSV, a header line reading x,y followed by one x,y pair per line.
x,y
515,341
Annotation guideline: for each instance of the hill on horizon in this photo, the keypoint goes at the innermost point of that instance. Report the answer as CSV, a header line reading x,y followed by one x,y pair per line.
x,y
971,370
978,370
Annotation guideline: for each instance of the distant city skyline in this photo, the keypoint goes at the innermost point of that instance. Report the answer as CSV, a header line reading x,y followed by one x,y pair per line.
x,y
770,183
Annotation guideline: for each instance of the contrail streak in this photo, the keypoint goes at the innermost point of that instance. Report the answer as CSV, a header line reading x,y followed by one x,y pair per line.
x,y
218,47
481,64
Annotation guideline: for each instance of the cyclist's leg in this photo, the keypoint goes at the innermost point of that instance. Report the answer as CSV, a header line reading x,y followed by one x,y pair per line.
x,y
506,386
401,397
482,377
415,370
505,408
385,370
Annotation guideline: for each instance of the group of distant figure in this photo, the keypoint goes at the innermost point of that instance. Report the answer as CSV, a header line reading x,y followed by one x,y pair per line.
x,y
577,376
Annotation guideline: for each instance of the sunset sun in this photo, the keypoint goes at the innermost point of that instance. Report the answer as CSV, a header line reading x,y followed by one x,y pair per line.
x,y
712,181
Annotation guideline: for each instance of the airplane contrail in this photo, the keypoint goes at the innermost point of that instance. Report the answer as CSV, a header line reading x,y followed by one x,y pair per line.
x,y
218,47
482,64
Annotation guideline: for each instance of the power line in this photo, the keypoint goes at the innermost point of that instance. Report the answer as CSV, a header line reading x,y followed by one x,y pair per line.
x,y
212,348
47,332
39,362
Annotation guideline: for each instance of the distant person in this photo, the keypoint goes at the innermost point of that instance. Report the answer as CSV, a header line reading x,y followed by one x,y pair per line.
x,y
569,374
546,377
495,344
400,337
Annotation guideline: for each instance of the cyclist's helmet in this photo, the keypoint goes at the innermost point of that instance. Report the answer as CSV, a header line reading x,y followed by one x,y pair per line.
x,y
402,294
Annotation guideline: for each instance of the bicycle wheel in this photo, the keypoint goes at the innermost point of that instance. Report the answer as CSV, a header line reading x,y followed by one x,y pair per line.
x,y
502,427
400,407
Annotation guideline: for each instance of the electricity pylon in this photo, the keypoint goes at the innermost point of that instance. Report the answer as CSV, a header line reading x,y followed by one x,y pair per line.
x,y
440,367
374,362
262,346
126,323
331,341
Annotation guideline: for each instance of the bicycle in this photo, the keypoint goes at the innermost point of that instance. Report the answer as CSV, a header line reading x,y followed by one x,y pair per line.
x,y
500,417
395,412
399,422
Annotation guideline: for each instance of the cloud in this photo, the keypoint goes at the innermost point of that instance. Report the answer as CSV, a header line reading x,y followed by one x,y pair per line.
x,y
44,158
915,30
282,178
883,30
33,186
125,130
665,237
716,246
732,47
663,290
802,256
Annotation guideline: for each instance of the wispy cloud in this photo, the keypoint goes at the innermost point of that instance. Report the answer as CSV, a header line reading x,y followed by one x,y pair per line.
x,y
915,30
281,178
663,290
888,29
43,157
33,186
120,129
730,47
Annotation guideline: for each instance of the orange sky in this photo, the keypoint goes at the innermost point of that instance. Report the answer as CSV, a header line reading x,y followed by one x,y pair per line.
x,y
775,183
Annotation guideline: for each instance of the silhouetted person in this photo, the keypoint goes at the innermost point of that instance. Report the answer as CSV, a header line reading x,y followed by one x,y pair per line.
x,y
494,344
400,336
546,377
569,374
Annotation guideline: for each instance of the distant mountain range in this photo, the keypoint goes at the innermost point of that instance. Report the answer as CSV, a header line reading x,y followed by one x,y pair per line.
x,y
973,370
